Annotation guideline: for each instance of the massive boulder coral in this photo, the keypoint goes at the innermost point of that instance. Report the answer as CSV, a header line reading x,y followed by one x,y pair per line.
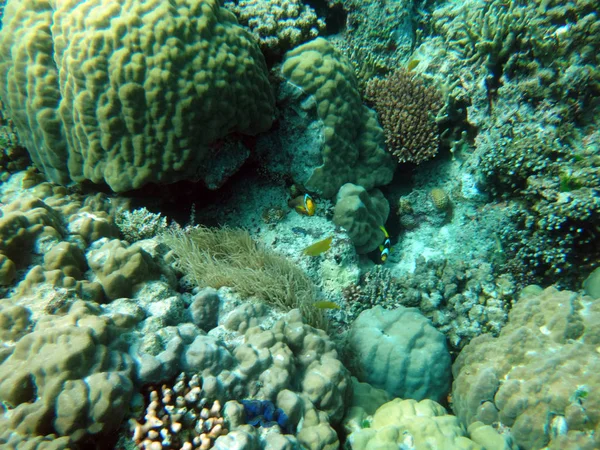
x,y
401,352
290,364
411,424
69,377
128,93
362,214
536,376
352,149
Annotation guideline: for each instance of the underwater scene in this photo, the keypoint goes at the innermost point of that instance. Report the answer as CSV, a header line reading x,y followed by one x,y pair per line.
x,y
300,224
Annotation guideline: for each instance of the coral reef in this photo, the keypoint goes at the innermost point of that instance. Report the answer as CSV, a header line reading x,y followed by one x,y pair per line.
x,y
411,424
263,413
554,183
239,334
534,377
463,300
178,416
362,214
13,156
440,199
229,257
140,224
546,48
130,110
121,269
526,75
406,108
82,384
379,36
375,420
279,25
352,141
399,351
551,46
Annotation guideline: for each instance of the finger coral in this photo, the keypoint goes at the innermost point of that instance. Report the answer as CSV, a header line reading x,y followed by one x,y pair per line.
x,y
406,109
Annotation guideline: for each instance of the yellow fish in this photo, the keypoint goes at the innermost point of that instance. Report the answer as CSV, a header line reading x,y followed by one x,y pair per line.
x,y
412,64
303,204
318,247
324,304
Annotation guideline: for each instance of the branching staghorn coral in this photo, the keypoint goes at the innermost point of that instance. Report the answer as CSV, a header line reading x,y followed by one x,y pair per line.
x,y
406,108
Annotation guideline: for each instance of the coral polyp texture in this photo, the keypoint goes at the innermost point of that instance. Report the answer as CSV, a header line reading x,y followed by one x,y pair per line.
x,y
536,377
406,108
279,25
179,416
362,214
409,424
135,93
69,377
401,352
353,144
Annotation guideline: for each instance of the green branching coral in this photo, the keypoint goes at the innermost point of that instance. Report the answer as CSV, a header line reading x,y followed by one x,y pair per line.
x,y
551,46
218,257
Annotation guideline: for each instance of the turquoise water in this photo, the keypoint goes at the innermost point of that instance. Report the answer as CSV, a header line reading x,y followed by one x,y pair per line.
x,y
299,224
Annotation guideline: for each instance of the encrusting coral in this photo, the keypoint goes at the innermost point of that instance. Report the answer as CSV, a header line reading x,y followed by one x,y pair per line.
x,y
536,376
406,108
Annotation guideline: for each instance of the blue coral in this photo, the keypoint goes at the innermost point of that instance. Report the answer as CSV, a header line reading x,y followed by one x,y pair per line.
x,y
263,413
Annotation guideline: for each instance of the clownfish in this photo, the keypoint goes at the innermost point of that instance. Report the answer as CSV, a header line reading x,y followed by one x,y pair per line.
x,y
303,204
386,247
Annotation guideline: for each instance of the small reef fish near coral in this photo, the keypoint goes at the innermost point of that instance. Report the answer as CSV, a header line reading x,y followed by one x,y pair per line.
x,y
386,247
318,247
303,204
198,201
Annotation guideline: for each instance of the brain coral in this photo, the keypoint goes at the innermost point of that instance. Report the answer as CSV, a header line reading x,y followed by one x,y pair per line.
x,y
536,376
127,93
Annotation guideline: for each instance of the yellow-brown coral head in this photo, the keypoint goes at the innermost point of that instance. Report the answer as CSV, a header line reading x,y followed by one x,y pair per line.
x,y
406,108
440,199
